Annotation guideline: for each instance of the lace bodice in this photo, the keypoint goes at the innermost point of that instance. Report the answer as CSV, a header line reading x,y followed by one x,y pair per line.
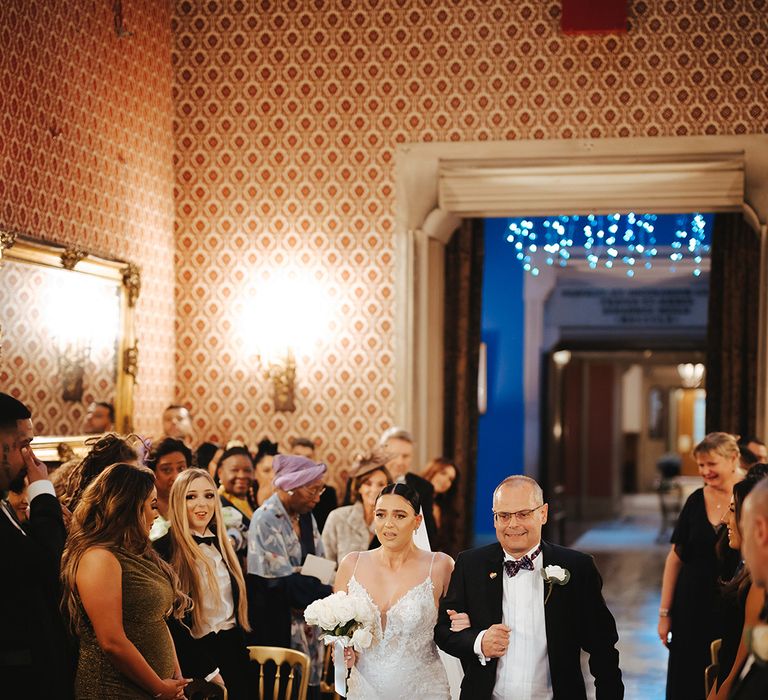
x,y
403,661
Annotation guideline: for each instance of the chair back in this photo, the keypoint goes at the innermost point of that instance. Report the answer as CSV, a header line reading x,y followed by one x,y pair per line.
x,y
199,689
281,657
711,671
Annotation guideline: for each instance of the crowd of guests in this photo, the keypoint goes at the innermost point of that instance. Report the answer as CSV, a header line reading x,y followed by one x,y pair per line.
x,y
708,591
142,566
146,565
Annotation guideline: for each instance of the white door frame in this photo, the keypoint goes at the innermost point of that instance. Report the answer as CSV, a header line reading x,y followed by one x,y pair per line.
x,y
438,184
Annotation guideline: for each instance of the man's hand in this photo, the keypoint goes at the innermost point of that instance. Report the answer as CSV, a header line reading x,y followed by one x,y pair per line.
x,y
36,470
495,641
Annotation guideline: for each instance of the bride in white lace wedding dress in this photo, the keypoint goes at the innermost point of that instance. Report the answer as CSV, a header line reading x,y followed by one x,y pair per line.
x,y
404,584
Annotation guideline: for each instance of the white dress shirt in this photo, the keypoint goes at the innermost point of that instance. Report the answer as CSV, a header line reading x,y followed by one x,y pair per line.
x,y
523,672
217,607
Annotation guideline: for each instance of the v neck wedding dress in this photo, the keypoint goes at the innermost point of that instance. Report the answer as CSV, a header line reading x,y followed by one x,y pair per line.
x,y
403,663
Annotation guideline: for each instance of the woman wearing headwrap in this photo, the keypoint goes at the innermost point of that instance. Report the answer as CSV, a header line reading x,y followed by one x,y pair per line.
x,y
281,534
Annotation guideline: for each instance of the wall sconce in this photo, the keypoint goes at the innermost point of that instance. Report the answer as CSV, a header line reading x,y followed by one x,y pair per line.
x,y
282,373
73,358
284,317
82,321
482,380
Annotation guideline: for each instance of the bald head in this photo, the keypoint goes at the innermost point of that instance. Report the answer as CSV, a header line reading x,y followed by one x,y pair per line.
x,y
754,526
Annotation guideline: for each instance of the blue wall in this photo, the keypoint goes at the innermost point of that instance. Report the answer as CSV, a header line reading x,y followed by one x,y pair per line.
x,y
500,439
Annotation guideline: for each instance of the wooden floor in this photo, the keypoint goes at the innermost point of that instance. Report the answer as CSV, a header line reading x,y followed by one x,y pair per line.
x,y
631,563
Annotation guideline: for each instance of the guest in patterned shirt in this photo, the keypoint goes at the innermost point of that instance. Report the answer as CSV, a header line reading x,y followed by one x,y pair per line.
x,y
281,535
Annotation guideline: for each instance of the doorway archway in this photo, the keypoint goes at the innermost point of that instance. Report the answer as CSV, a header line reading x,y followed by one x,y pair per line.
x,y
439,184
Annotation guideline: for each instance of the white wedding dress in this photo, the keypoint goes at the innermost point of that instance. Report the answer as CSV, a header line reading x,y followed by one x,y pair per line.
x,y
404,662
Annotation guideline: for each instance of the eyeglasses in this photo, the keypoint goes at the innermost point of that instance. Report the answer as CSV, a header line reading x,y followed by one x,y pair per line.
x,y
519,515
317,491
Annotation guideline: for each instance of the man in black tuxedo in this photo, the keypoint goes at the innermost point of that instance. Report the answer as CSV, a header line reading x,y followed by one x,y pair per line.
x,y
753,683
526,635
398,445
34,653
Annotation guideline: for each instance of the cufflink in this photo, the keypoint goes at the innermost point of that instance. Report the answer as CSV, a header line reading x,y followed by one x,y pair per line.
x,y
492,575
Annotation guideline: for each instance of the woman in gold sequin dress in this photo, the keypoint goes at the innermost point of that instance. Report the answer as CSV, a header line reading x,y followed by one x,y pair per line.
x,y
118,592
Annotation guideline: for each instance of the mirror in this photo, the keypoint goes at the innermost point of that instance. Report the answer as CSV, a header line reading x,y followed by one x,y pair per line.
x,y
67,338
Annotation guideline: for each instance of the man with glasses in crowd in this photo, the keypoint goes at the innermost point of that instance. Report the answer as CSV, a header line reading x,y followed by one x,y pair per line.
x,y
532,607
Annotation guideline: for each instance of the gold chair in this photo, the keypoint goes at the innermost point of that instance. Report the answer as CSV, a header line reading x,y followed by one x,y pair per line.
x,y
199,689
710,672
280,656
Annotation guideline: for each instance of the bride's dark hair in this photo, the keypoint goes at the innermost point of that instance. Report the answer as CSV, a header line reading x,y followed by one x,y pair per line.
x,y
408,493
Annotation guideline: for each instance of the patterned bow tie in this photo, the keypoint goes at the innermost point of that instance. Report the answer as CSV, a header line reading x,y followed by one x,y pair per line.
x,y
526,562
209,539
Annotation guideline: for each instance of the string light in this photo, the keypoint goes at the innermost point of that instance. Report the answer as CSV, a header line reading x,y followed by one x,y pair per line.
x,y
629,242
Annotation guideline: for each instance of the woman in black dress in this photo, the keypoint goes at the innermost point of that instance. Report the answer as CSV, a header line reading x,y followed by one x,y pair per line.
x,y
689,594
742,602
443,474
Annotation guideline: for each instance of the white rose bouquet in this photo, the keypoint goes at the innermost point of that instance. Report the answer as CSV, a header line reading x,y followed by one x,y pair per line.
x,y
345,621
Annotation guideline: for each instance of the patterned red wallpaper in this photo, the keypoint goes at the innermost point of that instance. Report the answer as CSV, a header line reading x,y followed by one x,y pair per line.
x,y
86,158
287,118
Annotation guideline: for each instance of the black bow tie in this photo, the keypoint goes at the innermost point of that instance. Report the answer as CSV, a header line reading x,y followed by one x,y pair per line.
x,y
526,562
208,539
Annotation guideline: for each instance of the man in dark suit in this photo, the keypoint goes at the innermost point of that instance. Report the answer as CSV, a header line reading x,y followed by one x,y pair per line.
x,y
398,444
34,653
526,633
753,683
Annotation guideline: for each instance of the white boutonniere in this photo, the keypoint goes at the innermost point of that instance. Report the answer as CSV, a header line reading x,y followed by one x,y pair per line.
x,y
552,575
757,642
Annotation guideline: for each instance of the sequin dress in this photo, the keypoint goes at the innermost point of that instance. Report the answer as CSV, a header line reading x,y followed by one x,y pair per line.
x,y
147,600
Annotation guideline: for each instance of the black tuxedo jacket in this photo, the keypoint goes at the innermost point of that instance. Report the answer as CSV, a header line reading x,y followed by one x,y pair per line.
x,y
576,618
194,657
36,659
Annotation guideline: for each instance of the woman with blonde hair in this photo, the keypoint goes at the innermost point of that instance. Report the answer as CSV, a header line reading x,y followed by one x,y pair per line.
x,y
118,592
689,590
211,644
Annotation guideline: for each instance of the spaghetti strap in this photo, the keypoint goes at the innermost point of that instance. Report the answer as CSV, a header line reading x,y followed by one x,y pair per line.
x,y
431,564
357,561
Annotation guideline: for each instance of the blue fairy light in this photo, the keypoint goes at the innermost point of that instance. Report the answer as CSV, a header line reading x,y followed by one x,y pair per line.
x,y
630,241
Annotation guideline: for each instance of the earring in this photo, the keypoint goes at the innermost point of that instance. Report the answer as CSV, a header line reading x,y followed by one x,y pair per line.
x,y
290,493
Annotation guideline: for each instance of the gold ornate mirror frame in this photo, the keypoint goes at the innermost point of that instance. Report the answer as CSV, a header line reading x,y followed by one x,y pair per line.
x,y
126,277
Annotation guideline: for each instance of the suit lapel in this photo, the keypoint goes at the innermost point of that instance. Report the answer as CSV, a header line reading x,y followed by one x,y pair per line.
x,y
494,579
553,614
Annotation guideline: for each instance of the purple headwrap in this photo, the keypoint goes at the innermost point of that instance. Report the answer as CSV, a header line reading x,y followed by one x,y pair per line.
x,y
293,471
